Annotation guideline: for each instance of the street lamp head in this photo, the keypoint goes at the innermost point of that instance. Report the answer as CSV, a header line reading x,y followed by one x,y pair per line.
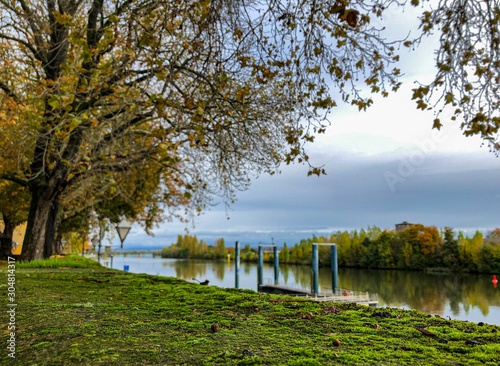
x,y
123,229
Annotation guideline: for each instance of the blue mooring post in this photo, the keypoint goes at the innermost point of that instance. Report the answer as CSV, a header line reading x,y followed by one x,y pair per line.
x,y
335,268
315,269
237,265
276,264
260,273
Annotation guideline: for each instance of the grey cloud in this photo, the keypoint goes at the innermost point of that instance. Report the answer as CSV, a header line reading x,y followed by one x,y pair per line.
x,y
457,190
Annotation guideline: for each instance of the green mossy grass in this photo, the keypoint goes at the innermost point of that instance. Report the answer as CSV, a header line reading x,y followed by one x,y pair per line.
x,y
98,316
67,261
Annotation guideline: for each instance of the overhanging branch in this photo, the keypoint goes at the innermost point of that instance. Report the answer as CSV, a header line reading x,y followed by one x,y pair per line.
x,y
8,91
15,179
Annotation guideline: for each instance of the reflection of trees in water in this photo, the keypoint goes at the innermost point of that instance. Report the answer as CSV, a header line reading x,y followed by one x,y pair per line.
x,y
284,273
476,292
188,269
247,267
301,275
219,270
429,292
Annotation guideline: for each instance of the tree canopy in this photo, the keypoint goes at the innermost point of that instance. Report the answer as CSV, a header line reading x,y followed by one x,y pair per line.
x,y
468,65
141,108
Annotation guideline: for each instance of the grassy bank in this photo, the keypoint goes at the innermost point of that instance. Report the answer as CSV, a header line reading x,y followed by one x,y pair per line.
x,y
97,316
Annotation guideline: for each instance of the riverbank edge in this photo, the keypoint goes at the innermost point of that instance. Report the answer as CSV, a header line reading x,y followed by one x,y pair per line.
x,y
97,316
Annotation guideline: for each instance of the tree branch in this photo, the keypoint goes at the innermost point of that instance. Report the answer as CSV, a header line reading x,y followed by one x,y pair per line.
x,y
24,43
38,53
8,91
15,179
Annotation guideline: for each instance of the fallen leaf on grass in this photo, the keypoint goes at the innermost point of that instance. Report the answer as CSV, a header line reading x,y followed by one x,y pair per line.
x,y
374,326
425,332
331,310
472,342
430,334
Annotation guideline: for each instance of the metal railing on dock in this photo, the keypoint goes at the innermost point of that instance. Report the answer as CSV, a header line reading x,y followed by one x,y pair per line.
x,y
364,298
341,295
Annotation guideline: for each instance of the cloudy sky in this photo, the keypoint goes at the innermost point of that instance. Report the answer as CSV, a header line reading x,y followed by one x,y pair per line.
x,y
384,166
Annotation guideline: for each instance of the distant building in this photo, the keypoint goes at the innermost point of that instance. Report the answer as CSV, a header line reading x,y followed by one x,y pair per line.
x,y
495,241
269,250
403,226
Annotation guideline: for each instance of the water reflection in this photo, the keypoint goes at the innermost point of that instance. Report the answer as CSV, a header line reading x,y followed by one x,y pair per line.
x,y
429,292
459,296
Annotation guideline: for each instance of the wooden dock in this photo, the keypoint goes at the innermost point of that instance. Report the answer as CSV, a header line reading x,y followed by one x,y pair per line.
x,y
362,298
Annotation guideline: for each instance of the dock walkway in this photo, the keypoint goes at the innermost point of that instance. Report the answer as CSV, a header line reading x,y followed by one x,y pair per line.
x,y
363,298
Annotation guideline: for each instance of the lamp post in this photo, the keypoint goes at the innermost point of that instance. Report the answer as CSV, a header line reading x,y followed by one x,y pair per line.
x,y
123,229
97,242
108,251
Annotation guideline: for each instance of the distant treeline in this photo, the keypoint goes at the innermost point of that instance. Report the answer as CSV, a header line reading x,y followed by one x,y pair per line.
x,y
188,246
416,248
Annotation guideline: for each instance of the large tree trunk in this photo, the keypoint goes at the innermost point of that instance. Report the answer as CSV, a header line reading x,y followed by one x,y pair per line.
x,y
34,240
6,238
5,247
51,233
58,247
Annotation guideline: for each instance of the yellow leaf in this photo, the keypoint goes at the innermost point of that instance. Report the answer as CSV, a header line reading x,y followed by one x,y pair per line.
x,y
238,33
421,104
437,124
448,98
63,19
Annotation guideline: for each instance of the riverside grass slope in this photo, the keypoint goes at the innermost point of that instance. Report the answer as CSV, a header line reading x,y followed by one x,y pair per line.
x,y
97,316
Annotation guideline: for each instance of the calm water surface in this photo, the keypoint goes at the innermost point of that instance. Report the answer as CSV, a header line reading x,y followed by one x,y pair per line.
x,y
458,296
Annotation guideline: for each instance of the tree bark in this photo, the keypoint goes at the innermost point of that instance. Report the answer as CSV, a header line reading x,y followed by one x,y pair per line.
x,y
6,238
50,247
34,240
58,245
5,247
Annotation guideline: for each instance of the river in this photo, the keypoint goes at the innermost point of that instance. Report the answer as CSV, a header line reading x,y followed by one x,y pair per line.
x,y
470,297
